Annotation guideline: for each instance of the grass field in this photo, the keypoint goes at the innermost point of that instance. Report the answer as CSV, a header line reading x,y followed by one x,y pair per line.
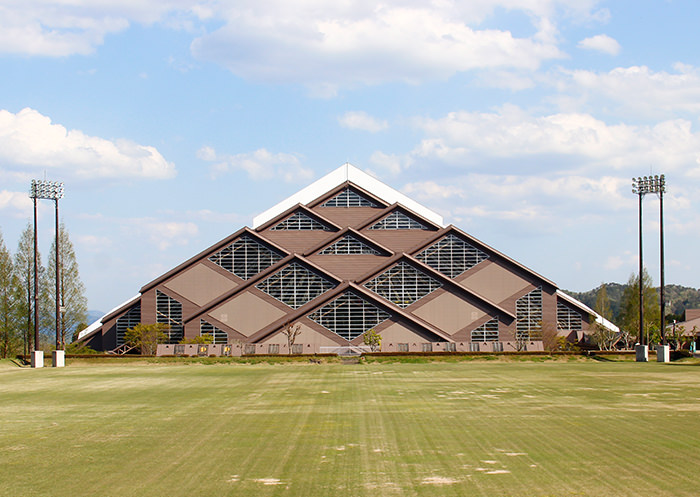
x,y
560,428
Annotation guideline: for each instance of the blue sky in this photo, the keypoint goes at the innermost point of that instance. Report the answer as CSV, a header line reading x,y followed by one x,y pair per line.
x,y
522,122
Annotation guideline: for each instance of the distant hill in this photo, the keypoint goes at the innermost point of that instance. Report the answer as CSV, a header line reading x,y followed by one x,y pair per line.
x,y
678,299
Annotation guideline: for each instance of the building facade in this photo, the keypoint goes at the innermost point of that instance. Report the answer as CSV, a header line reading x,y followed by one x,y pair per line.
x,y
343,256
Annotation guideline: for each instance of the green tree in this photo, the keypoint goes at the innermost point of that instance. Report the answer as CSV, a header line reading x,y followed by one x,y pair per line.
x,y
10,333
629,306
602,302
205,339
146,337
23,265
73,302
372,339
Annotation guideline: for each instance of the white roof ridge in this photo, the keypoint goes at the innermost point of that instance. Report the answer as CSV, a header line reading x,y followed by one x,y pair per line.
x,y
599,319
98,323
347,172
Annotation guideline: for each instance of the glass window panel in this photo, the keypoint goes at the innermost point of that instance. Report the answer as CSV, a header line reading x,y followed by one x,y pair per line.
x,y
567,319
128,320
349,245
300,222
487,332
295,285
398,221
169,311
451,256
219,337
403,284
528,316
349,198
349,316
245,257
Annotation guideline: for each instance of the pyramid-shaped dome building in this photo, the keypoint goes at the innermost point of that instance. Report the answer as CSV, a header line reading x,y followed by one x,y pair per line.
x,y
345,255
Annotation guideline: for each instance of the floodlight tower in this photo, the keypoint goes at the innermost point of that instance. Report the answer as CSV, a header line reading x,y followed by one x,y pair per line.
x,y
660,189
48,190
641,186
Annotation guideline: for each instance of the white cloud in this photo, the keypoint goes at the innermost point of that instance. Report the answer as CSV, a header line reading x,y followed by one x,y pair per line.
x,y
430,190
162,234
57,29
327,45
601,43
323,45
627,259
93,243
638,90
518,142
17,203
391,162
31,144
259,165
362,121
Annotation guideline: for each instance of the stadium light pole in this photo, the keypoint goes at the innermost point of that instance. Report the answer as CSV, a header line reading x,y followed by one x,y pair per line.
x,y
641,186
47,190
660,188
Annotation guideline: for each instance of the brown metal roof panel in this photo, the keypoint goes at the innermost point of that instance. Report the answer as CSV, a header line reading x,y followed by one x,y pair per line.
x,y
348,267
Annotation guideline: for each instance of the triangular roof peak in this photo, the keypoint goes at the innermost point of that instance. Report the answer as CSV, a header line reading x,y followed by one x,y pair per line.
x,y
347,173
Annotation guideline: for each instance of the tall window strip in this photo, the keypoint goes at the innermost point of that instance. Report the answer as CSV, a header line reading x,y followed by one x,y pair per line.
x,y
349,198
349,245
126,321
568,319
349,316
403,284
300,222
295,285
169,311
245,257
398,221
219,336
452,256
528,316
487,332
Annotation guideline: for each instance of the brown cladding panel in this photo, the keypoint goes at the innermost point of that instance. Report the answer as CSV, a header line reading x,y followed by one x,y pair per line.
x,y
348,216
399,240
247,313
109,335
96,342
398,333
297,241
307,336
200,284
493,281
148,307
348,267
448,312
549,308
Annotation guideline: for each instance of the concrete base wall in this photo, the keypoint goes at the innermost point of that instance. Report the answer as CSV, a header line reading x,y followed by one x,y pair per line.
x,y
38,359
239,349
59,358
663,353
642,353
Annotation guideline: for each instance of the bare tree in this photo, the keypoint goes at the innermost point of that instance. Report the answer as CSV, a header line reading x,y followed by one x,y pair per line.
x,y
291,331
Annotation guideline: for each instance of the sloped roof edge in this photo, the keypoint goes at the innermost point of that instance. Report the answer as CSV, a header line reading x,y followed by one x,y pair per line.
x,y
599,319
350,173
96,325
